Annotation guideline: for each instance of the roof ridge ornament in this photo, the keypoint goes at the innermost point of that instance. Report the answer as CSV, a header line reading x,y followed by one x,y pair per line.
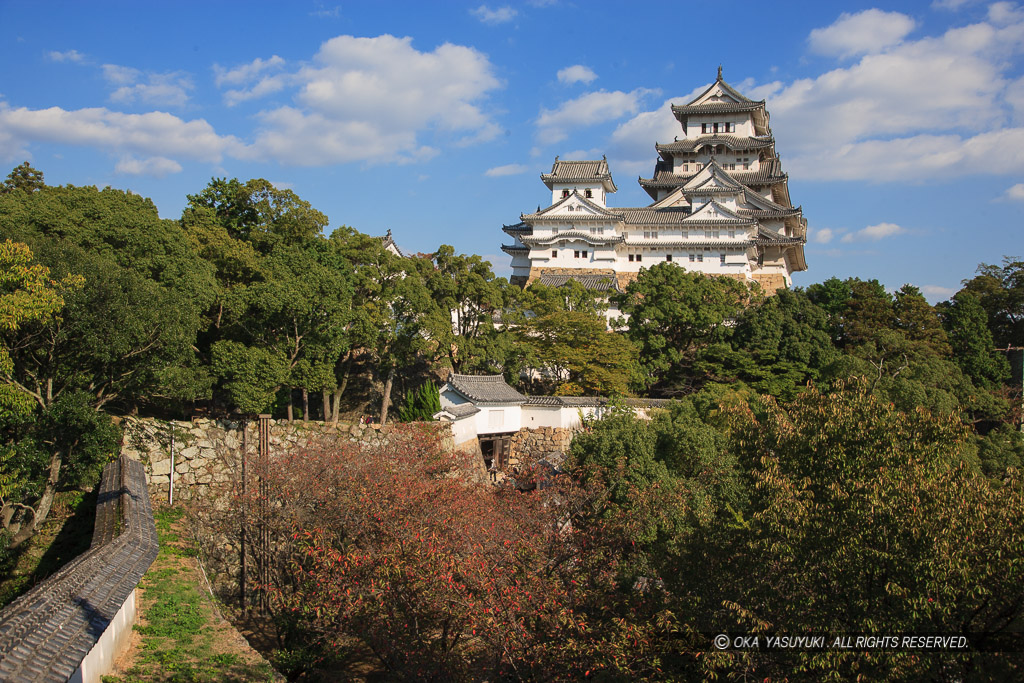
x,y
719,72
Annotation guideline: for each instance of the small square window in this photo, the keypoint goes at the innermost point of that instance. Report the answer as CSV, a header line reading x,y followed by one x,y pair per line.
x,y
584,254
700,258
630,258
693,257
554,253
565,193
721,259
588,193
576,253
668,257
639,257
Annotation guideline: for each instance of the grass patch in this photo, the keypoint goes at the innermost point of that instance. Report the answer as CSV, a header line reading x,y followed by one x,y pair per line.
x,y
66,534
182,640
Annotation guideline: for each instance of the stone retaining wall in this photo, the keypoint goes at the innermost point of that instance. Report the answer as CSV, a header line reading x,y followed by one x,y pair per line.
x,y
531,444
208,452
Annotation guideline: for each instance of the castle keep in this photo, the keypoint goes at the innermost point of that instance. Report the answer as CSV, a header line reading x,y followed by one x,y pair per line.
x,y
721,206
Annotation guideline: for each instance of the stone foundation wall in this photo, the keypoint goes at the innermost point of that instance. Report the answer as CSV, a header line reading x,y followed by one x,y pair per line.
x,y
207,453
531,444
770,282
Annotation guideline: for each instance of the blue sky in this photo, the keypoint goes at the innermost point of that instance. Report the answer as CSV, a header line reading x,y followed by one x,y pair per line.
x,y
901,124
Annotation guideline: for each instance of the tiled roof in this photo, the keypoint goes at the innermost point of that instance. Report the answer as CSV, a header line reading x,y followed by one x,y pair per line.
x,y
512,249
689,244
46,633
388,241
766,237
769,213
734,142
593,401
769,174
647,216
578,172
462,410
580,235
518,228
600,212
762,202
715,108
485,388
597,283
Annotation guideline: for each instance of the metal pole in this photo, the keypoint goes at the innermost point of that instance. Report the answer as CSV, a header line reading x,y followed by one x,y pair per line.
x,y
264,537
170,489
245,493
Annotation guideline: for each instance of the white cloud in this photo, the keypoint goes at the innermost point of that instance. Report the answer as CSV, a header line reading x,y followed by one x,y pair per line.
x,y
494,16
1015,193
577,73
864,32
157,167
938,107
322,12
153,134
265,86
951,4
66,56
245,73
369,99
587,110
167,89
937,292
507,169
823,235
934,107
120,75
873,233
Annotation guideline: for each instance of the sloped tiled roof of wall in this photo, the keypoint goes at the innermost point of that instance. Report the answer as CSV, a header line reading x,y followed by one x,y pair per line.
x,y
46,633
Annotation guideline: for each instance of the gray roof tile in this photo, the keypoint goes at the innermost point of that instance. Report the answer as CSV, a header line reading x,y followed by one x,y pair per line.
x,y
50,629
485,388
597,283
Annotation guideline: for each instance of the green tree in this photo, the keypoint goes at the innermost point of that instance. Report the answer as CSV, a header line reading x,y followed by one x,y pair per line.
x,y
259,213
420,405
468,299
777,346
23,178
575,349
672,314
27,295
864,518
971,339
1000,290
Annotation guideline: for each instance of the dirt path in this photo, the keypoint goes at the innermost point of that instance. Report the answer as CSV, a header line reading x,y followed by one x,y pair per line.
x,y
180,634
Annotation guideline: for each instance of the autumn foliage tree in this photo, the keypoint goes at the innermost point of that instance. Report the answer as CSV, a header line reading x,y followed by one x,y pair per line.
x,y
391,551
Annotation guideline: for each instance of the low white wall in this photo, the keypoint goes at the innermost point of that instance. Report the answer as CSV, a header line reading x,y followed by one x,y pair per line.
x,y
110,645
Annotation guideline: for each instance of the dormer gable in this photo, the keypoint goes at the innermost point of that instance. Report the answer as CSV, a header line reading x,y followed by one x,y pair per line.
x,y
712,178
720,91
575,207
675,198
713,212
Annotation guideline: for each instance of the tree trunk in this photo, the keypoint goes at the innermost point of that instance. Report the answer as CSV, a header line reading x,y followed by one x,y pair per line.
x,y
341,387
305,404
336,409
42,510
291,407
326,394
386,401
